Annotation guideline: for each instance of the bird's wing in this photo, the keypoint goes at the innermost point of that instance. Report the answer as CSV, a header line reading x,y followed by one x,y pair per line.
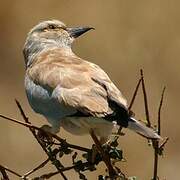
x,y
71,80
113,93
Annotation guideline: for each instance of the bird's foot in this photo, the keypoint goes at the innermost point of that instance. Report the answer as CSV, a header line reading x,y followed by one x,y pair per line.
x,y
94,154
113,151
45,135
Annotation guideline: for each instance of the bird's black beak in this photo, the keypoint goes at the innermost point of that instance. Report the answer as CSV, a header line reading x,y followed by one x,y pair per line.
x,y
78,31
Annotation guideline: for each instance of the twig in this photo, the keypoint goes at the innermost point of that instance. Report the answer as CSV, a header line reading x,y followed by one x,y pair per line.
x,y
46,176
163,143
4,174
36,168
145,100
49,175
134,94
156,142
22,112
39,129
155,145
3,169
130,106
105,156
159,111
80,148
53,135
19,122
51,157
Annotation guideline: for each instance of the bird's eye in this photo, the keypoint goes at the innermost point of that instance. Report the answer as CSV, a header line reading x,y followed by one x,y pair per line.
x,y
51,27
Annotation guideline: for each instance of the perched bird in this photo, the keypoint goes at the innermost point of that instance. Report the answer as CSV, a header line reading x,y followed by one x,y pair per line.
x,y
69,91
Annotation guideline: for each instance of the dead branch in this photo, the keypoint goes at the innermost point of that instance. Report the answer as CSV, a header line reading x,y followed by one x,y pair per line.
x,y
155,143
157,149
36,168
3,170
134,94
51,156
145,100
106,158
159,111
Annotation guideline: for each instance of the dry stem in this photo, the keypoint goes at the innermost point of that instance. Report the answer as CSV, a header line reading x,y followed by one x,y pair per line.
x,y
3,170
105,156
156,142
145,100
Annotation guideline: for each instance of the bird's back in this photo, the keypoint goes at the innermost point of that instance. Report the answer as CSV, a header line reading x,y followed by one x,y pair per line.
x,y
87,82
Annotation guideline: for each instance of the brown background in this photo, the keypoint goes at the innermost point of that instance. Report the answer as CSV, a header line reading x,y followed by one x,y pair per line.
x,y
129,35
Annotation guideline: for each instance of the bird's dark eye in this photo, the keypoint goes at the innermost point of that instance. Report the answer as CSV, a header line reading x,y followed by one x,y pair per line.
x,y
52,27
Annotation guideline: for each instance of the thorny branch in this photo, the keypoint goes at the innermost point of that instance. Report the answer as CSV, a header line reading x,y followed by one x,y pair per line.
x,y
37,168
52,153
55,146
145,99
54,161
105,156
159,111
158,150
134,94
3,170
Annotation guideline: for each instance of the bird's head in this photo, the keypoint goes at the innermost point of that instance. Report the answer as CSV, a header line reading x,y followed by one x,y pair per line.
x,y
57,31
49,34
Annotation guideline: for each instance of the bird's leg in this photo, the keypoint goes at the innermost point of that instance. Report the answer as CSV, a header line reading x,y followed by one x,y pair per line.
x,y
94,153
116,132
105,156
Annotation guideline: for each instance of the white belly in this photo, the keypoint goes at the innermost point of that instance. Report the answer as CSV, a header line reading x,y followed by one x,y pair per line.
x,y
82,125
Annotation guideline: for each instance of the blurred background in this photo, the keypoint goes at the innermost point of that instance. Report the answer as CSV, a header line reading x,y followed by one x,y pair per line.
x,y
129,35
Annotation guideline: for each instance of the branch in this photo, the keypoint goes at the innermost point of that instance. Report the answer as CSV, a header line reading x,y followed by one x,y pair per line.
x,y
39,129
49,175
158,150
145,99
36,168
130,106
105,156
161,146
134,94
159,111
50,156
3,170
4,174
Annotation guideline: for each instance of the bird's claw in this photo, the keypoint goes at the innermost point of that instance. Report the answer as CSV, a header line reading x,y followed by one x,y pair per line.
x,y
44,136
113,151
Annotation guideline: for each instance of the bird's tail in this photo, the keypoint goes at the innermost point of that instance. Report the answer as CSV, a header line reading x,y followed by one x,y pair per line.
x,y
141,129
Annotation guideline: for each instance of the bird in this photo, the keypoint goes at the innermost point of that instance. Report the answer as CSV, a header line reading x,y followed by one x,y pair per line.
x,y
71,92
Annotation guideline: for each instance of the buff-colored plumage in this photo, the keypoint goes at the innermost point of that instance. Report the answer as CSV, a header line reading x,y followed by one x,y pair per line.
x,y
80,82
69,91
